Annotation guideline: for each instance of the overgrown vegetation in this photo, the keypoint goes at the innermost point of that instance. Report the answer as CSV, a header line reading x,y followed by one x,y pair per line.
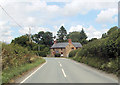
x,y
17,59
57,55
102,53
73,53
10,73
37,48
78,36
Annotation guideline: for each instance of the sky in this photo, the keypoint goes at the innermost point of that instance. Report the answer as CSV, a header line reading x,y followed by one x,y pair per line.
x,y
94,16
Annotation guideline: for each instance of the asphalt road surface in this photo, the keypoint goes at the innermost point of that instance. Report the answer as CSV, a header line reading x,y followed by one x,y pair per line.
x,y
60,70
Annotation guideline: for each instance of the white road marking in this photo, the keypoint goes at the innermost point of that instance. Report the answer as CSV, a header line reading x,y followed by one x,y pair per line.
x,y
33,73
64,73
60,65
76,62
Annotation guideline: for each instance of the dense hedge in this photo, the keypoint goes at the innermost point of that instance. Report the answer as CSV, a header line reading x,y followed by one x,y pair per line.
x,y
57,55
102,53
73,53
15,55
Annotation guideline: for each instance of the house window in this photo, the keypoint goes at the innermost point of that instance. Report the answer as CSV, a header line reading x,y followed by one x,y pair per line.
x,y
72,48
61,48
53,49
57,52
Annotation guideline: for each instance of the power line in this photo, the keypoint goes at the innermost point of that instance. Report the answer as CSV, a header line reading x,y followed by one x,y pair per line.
x,y
10,16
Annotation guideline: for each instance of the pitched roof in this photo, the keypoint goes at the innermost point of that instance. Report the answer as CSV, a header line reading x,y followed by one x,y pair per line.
x,y
60,45
77,44
64,44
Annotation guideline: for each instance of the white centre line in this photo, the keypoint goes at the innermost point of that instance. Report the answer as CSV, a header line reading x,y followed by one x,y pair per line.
x,y
60,65
64,73
33,73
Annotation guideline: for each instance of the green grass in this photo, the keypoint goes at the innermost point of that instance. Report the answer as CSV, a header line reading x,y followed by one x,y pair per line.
x,y
110,66
10,73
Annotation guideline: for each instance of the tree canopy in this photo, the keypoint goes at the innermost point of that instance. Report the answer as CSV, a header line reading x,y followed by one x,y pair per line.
x,y
45,38
22,40
78,36
62,33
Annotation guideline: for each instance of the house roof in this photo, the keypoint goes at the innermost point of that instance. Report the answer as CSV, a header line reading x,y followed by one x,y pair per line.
x,y
64,44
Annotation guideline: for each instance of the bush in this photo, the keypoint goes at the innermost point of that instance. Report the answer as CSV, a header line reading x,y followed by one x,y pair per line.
x,y
8,74
73,53
101,53
15,55
57,55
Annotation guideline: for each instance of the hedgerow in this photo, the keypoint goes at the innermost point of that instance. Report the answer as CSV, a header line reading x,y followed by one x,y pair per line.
x,y
102,53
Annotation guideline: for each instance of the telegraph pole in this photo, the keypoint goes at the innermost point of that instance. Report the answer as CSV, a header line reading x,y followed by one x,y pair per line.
x,y
30,35
38,49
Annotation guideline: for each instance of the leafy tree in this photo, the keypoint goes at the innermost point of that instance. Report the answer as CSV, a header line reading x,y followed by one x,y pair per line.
x,y
75,36
92,39
104,35
83,35
78,37
61,34
45,38
112,30
22,40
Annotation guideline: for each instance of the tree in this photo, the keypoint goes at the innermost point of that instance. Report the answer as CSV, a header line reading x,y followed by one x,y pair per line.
x,y
83,35
61,34
92,39
45,38
112,30
22,40
75,36
104,35
78,37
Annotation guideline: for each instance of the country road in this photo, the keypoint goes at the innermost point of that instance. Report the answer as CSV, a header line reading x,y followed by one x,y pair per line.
x,y
60,70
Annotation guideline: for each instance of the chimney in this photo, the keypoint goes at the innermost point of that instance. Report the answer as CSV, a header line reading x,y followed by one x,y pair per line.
x,y
55,42
70,41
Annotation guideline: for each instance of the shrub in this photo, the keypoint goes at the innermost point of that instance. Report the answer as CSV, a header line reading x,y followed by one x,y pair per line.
x,y
57,55
101,53
15,55
73,53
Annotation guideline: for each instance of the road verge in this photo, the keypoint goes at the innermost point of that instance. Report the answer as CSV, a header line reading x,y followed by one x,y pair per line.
x,y
9,74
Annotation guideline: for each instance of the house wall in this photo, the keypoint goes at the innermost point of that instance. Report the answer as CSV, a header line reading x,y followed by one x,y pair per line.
x,y
65,51
59,51
69,49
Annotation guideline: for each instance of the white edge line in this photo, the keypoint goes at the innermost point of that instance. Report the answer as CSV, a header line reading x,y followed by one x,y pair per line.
x,y
33,72
64,73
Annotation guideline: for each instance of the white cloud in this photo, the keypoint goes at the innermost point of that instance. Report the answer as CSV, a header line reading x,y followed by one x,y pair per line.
x,y
90,31
83,7
5,33
107,16
37,13
32,13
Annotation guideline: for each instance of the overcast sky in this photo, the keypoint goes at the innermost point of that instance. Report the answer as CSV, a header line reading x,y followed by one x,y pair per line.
x,y
95,16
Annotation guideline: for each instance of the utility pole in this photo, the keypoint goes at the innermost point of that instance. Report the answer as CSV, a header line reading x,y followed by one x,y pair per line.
x,y
30,35
38,49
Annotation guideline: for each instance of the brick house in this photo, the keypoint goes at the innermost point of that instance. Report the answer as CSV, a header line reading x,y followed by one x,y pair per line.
x,y
64,48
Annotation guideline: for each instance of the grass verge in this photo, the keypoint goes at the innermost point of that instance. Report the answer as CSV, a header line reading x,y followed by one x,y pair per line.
x,y
100,64
10,73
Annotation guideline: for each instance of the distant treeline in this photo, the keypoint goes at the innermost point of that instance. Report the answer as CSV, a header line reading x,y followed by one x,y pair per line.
x,y
39,43
103,53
